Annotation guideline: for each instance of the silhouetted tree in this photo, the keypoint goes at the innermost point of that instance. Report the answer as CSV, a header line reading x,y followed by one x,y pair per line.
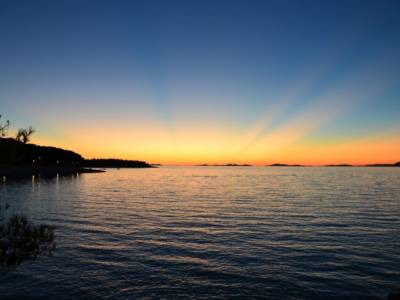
x,y
4,127
24,134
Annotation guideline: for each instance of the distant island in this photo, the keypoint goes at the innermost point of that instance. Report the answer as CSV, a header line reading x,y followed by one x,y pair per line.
x,y
340,165
371,165
385,165
336,165
299,165
225,165
284,165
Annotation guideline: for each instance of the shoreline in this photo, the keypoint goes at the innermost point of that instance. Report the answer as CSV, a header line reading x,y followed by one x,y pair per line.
x,y
23,172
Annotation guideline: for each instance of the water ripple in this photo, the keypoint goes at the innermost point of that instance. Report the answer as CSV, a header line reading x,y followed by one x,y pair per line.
x,y
213,233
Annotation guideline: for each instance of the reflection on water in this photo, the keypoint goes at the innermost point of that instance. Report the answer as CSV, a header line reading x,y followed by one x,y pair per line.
x,y
213,232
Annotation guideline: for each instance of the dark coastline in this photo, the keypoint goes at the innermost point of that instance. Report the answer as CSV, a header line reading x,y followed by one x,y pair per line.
x,y
21,172
115,163
20,160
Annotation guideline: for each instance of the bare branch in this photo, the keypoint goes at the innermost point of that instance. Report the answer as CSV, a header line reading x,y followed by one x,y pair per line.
x,y
24,135
4,128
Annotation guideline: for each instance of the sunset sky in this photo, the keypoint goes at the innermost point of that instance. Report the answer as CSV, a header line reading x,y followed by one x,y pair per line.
x,y
182,82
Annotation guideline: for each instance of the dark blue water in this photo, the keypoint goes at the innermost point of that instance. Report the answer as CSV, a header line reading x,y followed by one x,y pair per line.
x,y
212,233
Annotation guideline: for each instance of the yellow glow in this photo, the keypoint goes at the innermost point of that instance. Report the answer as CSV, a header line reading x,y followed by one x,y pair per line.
x,y
191,145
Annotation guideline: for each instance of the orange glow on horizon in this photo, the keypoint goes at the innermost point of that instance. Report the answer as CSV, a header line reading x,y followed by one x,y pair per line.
x,y
194,146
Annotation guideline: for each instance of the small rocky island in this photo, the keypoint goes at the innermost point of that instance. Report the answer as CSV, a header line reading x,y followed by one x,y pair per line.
x,y
225,165
284,165
385,165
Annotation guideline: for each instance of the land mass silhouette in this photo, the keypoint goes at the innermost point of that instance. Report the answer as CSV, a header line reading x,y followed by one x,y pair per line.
x,y
285,165
22,160
224,165
339,165
385,165
336,165
115,163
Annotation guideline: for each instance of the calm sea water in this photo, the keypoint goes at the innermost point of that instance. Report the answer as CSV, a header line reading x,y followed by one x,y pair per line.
x,y
213,232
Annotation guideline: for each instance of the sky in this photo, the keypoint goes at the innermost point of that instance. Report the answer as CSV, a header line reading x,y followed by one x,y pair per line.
x,y
187,82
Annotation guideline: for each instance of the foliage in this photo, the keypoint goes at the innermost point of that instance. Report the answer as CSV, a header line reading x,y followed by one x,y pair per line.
x,y
15,153
24,134
115,163
21,240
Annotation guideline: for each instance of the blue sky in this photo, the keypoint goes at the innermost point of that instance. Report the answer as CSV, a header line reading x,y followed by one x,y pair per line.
x,y
232,65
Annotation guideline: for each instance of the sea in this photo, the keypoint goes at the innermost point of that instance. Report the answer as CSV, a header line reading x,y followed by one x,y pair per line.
x,y
212,233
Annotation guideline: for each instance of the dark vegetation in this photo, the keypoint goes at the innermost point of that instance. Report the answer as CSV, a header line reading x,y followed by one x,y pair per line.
x,y
14,152
115,163
4,127
21,240
19,159
18,155
23,134
17,152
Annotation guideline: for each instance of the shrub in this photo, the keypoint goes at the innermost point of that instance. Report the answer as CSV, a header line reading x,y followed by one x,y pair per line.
x,y
21,240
